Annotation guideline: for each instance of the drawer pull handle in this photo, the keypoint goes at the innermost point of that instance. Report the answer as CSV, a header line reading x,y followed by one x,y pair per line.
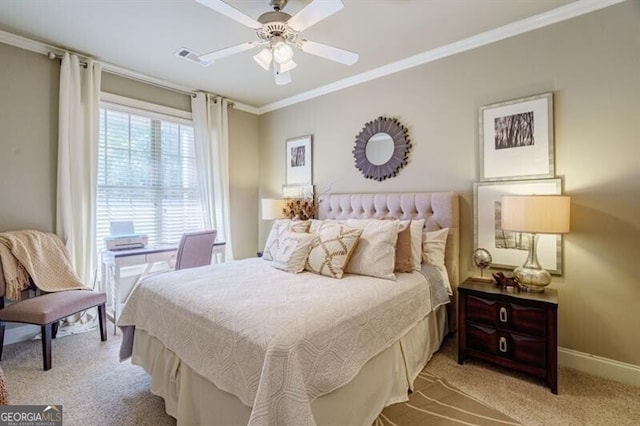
x,y
503,314
502,345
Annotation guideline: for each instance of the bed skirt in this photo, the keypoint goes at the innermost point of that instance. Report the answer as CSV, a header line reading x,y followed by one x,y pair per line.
x,y
382,381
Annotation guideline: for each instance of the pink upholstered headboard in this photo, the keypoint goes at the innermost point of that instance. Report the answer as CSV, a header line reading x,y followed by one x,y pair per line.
x,y
440,209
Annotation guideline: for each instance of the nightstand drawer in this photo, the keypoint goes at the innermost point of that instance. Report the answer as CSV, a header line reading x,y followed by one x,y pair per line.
x,y
524,319
522,349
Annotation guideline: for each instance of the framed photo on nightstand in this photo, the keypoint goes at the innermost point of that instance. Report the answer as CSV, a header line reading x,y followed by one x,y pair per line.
x,y
510,249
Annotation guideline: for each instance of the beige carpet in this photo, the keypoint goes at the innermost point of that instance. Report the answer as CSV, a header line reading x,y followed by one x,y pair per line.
x,y
94,388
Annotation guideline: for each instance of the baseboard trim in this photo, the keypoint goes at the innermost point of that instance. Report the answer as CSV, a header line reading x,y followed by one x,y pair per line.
x,y
20,333
598,366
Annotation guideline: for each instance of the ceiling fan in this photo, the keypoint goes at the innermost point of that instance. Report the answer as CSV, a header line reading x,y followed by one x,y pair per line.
x,y
279,33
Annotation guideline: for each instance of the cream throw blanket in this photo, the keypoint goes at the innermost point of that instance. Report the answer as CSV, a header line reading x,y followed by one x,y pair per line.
x,y
39,255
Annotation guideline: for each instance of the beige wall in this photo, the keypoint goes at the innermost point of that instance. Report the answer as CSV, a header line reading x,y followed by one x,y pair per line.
x,y
28,139
243,181
28,144
591,64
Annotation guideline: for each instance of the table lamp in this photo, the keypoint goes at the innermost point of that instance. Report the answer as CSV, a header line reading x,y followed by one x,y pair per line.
x,y
535,214
272,208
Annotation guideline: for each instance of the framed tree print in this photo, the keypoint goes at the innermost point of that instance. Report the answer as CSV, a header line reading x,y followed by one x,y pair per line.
x,y
510,249
516,139
298,161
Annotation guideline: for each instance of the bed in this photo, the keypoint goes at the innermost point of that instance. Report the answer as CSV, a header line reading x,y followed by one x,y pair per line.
x,y
244,343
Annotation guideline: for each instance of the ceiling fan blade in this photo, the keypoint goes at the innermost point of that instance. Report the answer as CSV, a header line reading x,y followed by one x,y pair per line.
x,y
283,78
231,12
329,52
223,53
314,12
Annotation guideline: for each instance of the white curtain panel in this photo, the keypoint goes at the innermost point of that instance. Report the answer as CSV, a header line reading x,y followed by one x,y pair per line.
x,y
211,132
78,129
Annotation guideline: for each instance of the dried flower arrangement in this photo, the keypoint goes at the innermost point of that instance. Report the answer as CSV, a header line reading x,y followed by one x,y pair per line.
x,y
300,208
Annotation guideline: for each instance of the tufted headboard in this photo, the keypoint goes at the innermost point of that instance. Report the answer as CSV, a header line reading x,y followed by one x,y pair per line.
x,y
440,209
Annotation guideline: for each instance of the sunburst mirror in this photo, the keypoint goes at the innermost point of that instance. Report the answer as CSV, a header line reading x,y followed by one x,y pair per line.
x,y
382,148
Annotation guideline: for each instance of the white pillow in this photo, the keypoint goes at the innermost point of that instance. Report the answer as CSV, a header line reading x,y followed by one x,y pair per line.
x,y
433,249
293,251
278,229
416,243
375,254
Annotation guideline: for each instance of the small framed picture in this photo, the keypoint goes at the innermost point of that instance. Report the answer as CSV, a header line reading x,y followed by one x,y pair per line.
x,y
516,139
299,160
510,249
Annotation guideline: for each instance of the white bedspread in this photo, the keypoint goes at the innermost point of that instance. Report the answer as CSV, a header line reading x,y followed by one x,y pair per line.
x,y
275,340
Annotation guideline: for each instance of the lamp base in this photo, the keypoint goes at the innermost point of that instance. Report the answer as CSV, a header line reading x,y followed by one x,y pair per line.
x,y
533,280
531,276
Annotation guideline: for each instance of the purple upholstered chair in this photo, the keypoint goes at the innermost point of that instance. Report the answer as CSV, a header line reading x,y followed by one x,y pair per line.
x,y
195,249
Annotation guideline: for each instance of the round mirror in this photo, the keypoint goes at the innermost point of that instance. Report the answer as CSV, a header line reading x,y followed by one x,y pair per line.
x,y
379,149
382,148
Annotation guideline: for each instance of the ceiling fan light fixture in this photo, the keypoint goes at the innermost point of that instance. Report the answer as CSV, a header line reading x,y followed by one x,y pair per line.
x,y
287,66
264,58
282,52
282,78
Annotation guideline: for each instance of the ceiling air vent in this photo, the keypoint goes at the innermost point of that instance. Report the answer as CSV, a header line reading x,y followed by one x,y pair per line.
x,y
191,56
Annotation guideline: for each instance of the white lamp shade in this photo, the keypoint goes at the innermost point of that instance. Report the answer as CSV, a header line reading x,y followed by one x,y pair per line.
x,y
287,66
272,208
538,214
282,52
264,58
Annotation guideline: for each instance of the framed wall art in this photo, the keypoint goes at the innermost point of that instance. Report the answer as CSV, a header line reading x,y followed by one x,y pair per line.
x,y
516,139
298,160
510,249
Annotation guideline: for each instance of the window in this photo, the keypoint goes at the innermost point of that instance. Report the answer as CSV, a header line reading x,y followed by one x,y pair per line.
x,y
147,174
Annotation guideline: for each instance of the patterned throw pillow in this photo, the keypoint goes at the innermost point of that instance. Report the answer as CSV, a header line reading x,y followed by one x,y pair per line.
x,y
332,249
293,251
403,248
277,231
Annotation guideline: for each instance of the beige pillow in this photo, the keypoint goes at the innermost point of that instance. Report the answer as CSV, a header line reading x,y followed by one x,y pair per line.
x,y
278,229
404,261
416,243
375,254
293,251
332,249
433,249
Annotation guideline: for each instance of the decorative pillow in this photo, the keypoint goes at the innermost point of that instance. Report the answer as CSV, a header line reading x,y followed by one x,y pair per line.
x,y
375,254
293,251
278,229
404,261
416,243
433,249
332,249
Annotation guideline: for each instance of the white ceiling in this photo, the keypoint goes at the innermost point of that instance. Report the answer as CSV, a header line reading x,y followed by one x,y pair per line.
x,y
142,36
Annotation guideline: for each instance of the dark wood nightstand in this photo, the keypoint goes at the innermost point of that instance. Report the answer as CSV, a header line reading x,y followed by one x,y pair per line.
x,y
513,329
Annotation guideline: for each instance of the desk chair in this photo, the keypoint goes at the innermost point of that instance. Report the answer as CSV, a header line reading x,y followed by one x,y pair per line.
x,y
195,249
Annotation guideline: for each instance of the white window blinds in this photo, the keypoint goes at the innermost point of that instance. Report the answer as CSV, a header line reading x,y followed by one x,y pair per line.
x,y
147,174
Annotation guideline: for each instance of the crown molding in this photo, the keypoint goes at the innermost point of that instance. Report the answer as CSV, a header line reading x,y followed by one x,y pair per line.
x,y
46,49
563,13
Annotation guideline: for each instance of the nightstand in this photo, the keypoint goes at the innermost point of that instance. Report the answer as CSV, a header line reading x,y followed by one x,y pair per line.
x,y
513,329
